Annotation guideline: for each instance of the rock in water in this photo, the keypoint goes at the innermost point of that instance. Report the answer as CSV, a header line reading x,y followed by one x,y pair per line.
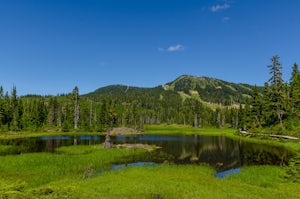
x,y
107,142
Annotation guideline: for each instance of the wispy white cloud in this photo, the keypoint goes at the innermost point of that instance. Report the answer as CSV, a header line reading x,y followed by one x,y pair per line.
x,y
220,7
225,19
173,48
177,47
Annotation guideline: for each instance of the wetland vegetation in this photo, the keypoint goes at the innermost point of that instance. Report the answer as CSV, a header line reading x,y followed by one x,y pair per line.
x,y
83,171
193,123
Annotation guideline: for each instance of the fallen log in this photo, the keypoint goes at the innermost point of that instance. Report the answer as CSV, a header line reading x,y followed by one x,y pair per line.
x,y
271,135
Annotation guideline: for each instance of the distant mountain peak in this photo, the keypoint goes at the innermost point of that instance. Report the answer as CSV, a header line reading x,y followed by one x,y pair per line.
x,y
207,89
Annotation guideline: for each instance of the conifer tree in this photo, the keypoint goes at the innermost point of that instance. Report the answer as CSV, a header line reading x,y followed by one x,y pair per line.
x,y
276,100
256,107
14,110
1,92
103,116
265,105
1,107
295,91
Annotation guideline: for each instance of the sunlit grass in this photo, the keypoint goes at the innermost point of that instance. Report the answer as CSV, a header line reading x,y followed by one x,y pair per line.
x,y
172,181
8,149
36,169
186,130
71,172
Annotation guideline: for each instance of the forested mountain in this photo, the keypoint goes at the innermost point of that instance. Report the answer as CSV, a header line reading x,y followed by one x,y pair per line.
x,y
180,101
122,89
206,89
211,90
188,100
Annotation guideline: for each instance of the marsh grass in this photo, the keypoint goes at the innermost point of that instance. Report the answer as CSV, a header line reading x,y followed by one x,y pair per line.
x,y
186,130
71,172
10,149
37,169
261,176
79,149
173,181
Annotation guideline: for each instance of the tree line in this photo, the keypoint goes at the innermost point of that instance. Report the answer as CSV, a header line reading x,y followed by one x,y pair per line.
x,y
100,112
278,105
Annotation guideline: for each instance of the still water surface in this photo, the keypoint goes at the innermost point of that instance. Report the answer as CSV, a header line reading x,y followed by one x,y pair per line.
x,y
221,153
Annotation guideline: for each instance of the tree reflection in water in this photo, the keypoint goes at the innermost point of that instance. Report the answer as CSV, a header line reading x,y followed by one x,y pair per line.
x,y
218,151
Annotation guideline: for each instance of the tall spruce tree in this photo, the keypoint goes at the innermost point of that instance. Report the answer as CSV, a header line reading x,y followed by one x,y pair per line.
x,y
276,99
295,91
15,123
256,107
1,107
266,113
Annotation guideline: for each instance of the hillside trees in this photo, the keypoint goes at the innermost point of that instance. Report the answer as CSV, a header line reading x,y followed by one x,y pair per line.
x,y
100,112
295,91
256,110
278,104
275,104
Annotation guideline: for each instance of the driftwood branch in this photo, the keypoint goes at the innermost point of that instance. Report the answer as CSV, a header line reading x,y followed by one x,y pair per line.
x,y
271,135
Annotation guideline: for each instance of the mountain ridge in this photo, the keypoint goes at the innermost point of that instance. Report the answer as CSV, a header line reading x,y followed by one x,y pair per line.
x,y
211,90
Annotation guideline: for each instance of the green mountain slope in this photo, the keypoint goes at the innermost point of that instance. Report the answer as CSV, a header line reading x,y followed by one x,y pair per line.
x,y
119,89
210,90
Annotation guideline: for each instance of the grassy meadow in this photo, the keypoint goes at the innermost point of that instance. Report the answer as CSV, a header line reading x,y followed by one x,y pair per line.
x,y
83,172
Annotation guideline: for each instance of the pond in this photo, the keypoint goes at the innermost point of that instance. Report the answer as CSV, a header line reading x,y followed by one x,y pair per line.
x,y
220,152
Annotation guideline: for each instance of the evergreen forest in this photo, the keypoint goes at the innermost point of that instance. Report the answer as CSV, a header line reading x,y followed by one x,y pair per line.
x,y
188,100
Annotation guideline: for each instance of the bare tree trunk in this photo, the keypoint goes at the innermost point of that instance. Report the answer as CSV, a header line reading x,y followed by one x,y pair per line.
x,y
219,119
76,114
59,110
200,122
52,115
91,113
195,120
76,106
223,121
280,115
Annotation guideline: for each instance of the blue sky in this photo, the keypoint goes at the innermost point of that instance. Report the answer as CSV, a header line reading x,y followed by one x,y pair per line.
x,y
51,46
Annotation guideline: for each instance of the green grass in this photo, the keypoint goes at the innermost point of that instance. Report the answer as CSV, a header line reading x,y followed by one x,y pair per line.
x,y
186,130
79,149
72,173
8,149
175,182
37,169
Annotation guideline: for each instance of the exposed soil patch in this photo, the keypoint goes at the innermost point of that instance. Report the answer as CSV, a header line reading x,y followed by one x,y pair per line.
x,y
123,131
